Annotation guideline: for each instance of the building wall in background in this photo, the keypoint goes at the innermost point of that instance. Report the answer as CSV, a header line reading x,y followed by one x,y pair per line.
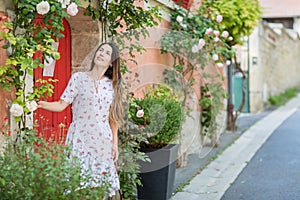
x,y
278,67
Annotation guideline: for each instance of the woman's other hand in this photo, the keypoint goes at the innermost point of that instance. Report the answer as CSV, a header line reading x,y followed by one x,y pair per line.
x,y
115,153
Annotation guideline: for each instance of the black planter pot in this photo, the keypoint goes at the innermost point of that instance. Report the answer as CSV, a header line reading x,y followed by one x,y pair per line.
x,y
158,176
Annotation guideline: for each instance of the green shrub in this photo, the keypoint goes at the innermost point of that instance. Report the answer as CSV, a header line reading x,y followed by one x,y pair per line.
x,y
36,169
163,115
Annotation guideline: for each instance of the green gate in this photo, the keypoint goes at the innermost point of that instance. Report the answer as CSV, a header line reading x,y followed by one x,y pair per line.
x,y
237,88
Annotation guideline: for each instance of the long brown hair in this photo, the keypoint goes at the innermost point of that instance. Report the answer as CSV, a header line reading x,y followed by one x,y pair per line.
x,y
113,72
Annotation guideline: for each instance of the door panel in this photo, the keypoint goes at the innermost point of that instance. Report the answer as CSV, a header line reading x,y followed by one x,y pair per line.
x,y
53,125
237,87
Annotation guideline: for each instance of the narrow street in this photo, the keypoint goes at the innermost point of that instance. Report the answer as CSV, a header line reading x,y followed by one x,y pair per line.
x,y
274,172
263,164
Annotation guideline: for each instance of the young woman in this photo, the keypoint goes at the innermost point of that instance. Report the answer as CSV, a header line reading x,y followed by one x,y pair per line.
x,y
97,110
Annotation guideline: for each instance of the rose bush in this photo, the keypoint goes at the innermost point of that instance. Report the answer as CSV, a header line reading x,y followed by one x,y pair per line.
x,y
25,37
198,40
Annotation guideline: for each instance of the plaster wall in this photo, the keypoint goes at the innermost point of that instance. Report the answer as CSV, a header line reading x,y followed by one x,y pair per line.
x,y
280,60
297,25
256,86
278,65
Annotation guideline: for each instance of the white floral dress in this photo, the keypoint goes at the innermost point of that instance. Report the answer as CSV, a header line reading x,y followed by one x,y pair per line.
x,y
89,134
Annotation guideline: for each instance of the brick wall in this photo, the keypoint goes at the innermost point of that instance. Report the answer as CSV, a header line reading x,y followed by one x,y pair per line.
x,y
5,96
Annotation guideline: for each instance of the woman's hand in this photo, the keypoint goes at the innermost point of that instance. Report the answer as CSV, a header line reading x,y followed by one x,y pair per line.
x,y
56,106
115,153
41,104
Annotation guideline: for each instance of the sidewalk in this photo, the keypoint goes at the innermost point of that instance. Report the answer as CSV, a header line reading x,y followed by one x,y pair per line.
x,y
217,176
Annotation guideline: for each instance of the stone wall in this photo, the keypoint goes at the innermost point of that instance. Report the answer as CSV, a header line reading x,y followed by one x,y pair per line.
x,y
6,4
84,40
279,63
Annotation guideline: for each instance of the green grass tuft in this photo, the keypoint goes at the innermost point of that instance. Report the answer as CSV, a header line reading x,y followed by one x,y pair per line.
x,y
283,98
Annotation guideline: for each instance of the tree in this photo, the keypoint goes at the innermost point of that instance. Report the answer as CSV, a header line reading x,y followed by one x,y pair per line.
x,y
239,19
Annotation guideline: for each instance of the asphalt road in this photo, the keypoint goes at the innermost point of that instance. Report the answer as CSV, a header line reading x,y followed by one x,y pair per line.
x,y
274,172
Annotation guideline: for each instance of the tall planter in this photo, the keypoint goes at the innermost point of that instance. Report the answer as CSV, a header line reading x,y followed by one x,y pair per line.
x,y
158,176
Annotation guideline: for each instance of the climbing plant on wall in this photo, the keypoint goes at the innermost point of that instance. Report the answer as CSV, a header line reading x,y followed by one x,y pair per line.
x,y
204,38
197,42
240,18
121,21
24,37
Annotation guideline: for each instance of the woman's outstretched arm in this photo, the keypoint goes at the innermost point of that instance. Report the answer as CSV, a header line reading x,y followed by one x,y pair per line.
x,y
55,106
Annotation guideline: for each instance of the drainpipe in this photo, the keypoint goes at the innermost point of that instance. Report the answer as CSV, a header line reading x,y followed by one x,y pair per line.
x,y
248,76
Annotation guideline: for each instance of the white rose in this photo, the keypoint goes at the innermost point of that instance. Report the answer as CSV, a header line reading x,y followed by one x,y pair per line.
x,y
219,18
219,64
183,25
179,18
72,9
32,106
217,33
195,49
64,3
225,34
201,43
43,7
16,110
228,62
140,113
209,31
215,57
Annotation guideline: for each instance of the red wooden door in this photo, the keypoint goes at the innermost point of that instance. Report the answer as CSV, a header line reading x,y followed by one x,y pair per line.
x,y
54,125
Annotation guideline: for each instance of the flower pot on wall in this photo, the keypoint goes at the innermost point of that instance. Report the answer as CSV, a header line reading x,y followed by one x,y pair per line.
x,y
158,176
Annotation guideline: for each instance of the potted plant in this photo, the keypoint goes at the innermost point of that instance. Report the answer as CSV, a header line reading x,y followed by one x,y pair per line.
x,y
158,116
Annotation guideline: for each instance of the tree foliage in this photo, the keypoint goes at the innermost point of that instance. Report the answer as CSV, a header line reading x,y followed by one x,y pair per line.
x,y
240,17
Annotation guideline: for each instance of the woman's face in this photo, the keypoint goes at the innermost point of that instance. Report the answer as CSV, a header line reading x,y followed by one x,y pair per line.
x,y
103,56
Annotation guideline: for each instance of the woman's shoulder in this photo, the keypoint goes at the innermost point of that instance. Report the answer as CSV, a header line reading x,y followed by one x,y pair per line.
x,y
107,80
78,74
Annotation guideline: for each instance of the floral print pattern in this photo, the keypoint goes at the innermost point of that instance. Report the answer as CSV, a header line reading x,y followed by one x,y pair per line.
x,y
89,134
